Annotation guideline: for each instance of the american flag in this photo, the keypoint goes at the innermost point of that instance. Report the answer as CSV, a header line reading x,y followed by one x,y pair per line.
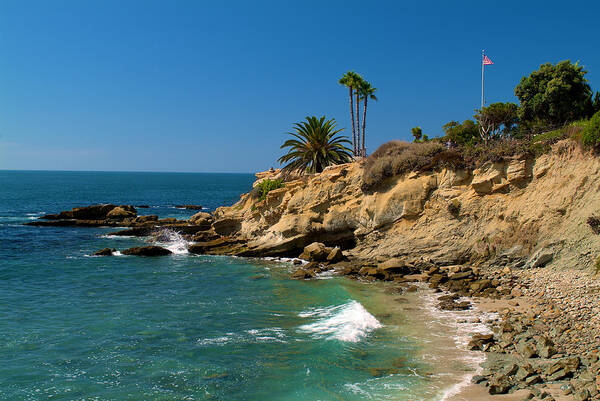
x,y
486,60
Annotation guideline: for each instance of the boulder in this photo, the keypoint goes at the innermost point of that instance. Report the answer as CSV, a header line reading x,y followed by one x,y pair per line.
x,y
146,219
151,250
201,217
499,384
545,347
105,252
335,255
395,265
315,252
478,341
541,258
525,349
303,274
120,213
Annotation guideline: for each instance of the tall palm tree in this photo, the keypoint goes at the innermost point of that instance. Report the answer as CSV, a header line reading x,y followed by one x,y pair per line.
x,y
348,80
358,81
366,92
315,146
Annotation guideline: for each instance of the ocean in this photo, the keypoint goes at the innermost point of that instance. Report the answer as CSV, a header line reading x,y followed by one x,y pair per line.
x,y
188,327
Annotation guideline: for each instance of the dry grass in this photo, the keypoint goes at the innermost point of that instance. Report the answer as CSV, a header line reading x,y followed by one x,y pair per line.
x,y
398,157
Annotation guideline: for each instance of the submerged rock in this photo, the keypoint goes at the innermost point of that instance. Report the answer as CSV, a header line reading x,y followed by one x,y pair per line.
x,y
105,252
151,250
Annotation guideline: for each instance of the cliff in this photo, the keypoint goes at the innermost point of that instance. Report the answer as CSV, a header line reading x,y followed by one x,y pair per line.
x,y
515,207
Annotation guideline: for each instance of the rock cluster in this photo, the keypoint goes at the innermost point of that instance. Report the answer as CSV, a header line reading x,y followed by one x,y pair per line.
x,y
523,354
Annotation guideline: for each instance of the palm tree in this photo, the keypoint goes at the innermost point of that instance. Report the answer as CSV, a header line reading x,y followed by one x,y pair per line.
x,y
358,82
366,92
315,146
348,80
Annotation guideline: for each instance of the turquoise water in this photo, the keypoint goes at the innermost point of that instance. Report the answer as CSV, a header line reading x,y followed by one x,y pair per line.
x,y
182,327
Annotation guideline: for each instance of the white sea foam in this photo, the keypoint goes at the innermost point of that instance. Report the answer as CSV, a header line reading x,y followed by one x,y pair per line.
x,y
173,241
347,322
460,334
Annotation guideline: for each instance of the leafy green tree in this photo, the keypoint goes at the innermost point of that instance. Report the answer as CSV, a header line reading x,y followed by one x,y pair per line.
x,y
366,92
466,133
497,119
417,133
315,145
554,94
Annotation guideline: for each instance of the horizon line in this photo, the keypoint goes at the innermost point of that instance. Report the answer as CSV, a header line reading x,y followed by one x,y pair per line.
x,y
129,171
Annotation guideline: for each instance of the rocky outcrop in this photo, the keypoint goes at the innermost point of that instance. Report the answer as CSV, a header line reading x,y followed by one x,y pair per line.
x,y
151,250
446,216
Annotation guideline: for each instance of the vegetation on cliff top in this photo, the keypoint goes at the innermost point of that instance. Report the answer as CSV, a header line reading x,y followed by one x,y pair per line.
x,y
555,103
315,145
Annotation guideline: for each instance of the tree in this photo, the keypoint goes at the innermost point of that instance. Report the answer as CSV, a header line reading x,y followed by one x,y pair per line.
x,y
554,94
496,119
466,133
349,81
417,132
358,82
316,145
596,103
366,92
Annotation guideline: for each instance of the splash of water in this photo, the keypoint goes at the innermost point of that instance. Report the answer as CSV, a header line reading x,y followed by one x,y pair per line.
x,y
171,240
347,322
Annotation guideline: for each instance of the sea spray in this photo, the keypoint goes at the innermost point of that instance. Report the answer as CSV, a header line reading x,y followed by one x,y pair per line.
x,y
347,322
171,240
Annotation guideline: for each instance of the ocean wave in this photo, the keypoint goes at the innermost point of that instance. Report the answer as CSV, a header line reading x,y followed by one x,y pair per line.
x,y
347,322
173,241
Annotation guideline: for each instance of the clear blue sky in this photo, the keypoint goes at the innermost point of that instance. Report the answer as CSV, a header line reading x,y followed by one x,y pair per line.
x,y
213,86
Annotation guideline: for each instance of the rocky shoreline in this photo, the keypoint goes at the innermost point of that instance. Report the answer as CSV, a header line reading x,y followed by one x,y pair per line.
x,y
512,234
529,349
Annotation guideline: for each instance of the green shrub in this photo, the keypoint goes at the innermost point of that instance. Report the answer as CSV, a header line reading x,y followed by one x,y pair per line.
x,y
267,185
398,157
590,135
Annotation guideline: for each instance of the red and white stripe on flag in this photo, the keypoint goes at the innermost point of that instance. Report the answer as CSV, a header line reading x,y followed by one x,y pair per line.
x,y
486,60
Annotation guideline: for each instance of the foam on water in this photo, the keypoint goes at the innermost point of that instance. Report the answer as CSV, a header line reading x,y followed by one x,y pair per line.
x,y
347,322
173,241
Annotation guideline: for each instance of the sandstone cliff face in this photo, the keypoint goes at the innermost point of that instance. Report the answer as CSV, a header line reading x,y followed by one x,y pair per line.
x,y
447,216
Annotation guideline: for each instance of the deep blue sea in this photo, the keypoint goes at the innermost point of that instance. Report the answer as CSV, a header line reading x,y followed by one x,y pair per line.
x,y
186,327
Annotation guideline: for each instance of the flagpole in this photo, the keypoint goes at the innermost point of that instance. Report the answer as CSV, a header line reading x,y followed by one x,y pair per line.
x,y
482,70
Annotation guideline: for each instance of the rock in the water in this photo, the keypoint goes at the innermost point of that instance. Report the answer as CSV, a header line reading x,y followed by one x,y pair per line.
x,y
105,252
151,250
478,341
303,274
120,213
315,252
189,207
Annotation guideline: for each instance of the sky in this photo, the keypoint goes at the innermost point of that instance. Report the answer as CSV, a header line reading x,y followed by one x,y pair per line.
x,y
201,86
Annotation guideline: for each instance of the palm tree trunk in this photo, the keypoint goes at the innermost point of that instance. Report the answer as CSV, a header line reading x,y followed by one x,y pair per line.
x,y
364,148
357,125
352,116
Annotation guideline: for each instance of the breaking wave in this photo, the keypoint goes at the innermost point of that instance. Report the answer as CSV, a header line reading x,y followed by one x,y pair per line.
x,y
171,240
347,322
